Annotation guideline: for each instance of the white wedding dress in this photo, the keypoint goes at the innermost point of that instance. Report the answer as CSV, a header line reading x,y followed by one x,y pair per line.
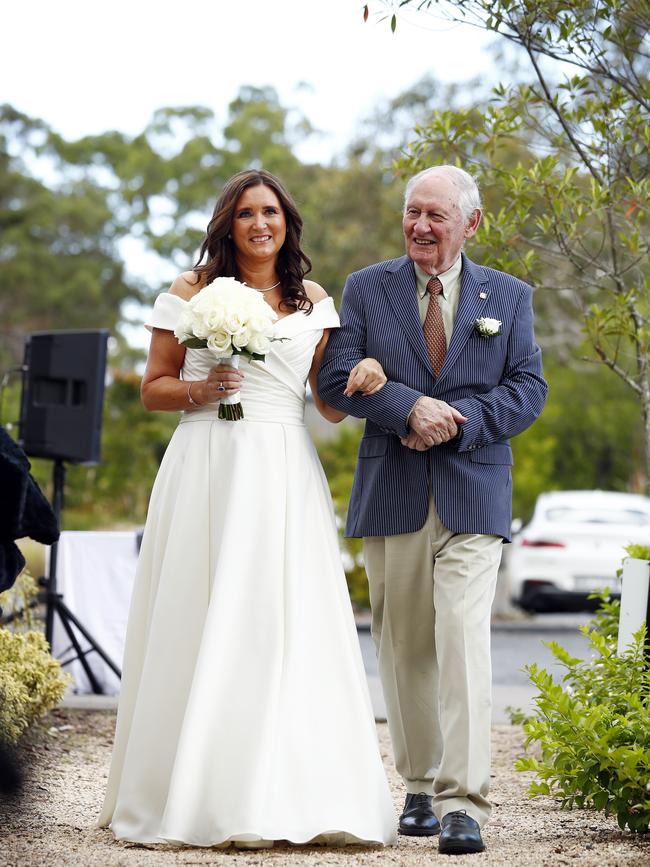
x,y
244,714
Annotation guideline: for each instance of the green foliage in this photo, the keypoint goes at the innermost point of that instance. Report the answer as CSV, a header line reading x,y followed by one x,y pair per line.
x,y
60,262
340,237
17,600
606,620
31,681
516,714
339,457
592,726
588,437
638,552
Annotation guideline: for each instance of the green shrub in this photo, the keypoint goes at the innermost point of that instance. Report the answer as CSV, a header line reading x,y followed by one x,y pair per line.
x,y
31,680
638,552
593,726
17,599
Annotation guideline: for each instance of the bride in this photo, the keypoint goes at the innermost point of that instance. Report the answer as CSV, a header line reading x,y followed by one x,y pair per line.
x,y
244,715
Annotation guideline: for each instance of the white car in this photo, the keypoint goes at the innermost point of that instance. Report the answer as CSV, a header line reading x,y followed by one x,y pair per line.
x,y
574,545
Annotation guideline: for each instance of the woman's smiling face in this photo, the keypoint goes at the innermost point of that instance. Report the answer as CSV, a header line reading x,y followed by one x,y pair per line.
x,y
259,226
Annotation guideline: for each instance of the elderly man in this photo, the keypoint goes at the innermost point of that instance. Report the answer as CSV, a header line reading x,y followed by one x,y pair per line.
x,y
432,488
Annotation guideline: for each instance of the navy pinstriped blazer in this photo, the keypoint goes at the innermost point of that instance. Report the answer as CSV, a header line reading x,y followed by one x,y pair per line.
x,y
496,382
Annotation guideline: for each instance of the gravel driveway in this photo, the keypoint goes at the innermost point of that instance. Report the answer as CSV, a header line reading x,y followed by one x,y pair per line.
x,y
67,764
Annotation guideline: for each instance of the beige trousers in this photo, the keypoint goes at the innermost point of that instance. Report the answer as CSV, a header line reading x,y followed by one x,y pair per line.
x,y
431,593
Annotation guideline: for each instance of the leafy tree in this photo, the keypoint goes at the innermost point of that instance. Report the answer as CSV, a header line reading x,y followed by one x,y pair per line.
x,y
59,261
579,199
352,217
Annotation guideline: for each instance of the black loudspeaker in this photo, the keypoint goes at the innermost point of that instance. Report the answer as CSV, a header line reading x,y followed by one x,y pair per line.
x,y
63,394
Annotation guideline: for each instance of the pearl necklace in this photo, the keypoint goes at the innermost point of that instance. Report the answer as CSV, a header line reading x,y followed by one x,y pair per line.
x,y
268,289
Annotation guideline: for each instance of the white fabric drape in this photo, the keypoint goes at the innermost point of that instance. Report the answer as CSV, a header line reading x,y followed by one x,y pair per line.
x,y
95,572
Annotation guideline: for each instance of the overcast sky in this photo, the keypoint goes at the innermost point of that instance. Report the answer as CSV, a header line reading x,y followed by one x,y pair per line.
x,y
86,67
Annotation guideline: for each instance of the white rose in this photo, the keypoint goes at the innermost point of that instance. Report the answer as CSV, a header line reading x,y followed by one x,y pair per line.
x,y
225,284
219,341
183,330
492,325
262,325
202,301
487,327
241,338
258,344
234,321
228,307
199,327
220,294
215,320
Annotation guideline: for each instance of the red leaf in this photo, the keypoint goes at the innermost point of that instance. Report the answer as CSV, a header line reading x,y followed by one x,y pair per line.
x,y
631,210
365,13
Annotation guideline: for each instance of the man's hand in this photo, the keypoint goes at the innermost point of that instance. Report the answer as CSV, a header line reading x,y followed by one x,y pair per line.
x,y
433,422
414,441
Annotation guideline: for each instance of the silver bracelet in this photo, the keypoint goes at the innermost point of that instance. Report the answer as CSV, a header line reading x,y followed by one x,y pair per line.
x,y
189,395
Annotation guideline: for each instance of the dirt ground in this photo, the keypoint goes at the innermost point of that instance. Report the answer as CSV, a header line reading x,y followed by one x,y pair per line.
x,y
66,767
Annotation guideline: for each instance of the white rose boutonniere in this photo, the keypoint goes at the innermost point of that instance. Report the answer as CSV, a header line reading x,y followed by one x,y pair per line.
x,y
487,327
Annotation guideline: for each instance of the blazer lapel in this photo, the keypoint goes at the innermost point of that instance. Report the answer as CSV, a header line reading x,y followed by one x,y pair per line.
x,y
401,290
474,292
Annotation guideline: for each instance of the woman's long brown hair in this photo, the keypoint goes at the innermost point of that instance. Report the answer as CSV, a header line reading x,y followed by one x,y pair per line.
x,y
218,249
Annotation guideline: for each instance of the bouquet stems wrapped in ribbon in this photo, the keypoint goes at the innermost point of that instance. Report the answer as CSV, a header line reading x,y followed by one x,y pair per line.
x,y
231,319
230,406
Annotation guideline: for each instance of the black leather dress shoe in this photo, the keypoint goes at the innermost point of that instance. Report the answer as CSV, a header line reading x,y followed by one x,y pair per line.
x,y
460,834
418,820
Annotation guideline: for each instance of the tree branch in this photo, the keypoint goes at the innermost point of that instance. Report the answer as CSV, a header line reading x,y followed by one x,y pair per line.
x,y
569,134
618,370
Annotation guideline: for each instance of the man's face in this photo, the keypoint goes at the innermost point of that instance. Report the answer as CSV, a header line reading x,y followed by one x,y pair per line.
x,y
434,230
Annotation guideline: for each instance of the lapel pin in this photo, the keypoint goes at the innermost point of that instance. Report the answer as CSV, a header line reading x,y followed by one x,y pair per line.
x,y
483,296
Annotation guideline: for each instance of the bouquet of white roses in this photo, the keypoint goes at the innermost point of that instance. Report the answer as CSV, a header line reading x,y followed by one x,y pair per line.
x,y
231,319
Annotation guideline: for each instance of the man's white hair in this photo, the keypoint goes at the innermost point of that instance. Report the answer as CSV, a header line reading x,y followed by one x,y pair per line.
x,y
469,197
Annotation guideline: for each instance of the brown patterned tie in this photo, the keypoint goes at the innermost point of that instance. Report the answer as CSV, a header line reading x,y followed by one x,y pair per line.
x,y
434,327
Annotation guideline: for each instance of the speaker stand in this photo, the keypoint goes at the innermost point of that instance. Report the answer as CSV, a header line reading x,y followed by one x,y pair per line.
x,y
56,606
